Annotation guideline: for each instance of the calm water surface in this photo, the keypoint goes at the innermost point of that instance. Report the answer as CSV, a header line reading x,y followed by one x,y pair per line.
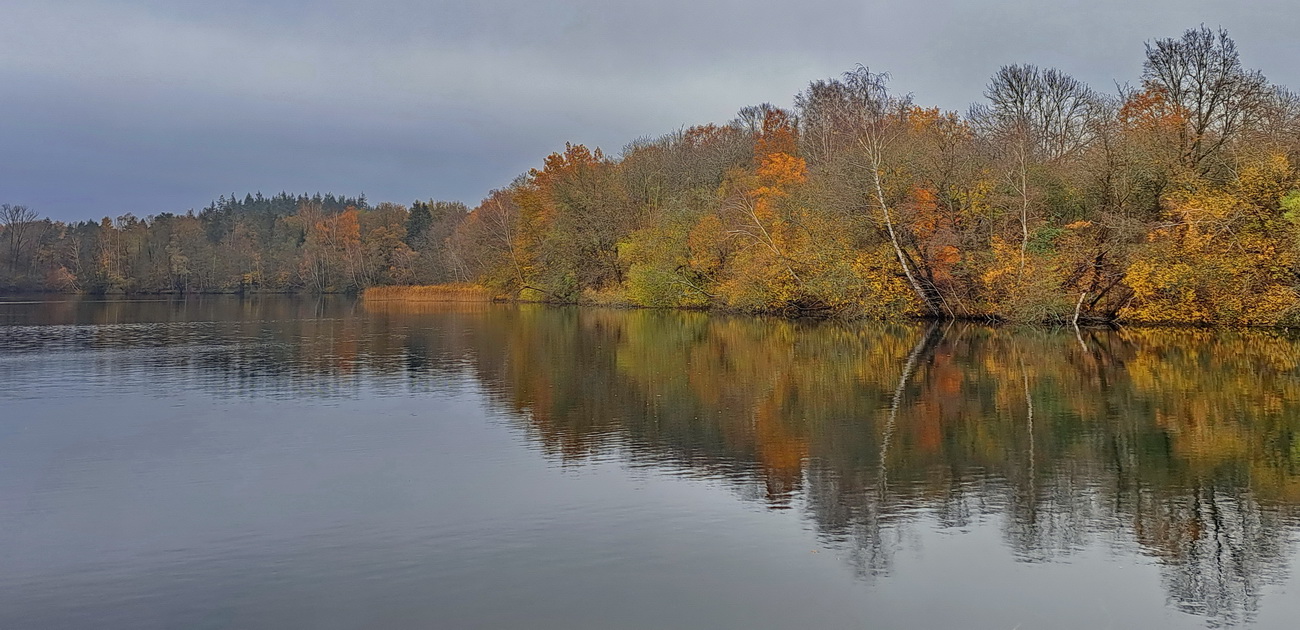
x,y
277,463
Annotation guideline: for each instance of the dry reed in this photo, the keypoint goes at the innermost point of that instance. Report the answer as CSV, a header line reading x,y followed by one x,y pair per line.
x,y
429,293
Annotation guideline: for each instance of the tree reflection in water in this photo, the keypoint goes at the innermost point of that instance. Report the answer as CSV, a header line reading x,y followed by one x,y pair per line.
x,y
1180,444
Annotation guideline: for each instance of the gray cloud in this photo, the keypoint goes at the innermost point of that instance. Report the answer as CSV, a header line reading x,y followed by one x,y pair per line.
x,y
151,106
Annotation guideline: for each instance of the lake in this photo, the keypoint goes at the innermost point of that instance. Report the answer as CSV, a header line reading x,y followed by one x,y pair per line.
x,y
324,463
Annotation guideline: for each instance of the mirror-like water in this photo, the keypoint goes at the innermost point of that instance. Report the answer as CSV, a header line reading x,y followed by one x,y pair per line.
x,y
276,462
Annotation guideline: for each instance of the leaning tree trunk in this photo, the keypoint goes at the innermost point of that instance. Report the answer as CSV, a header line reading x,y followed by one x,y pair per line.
x,y
893,235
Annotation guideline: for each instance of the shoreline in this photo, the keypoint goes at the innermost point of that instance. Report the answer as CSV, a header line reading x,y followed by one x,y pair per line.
x,y
475,294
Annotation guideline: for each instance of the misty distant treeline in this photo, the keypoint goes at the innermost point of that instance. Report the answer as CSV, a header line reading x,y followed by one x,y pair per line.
x,y
1175,199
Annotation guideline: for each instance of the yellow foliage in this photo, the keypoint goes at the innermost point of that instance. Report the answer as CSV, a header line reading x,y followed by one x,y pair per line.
x,y
707,245
660,269
1228,257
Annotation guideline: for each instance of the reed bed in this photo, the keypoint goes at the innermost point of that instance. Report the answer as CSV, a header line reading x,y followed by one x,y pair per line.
x,y
429,293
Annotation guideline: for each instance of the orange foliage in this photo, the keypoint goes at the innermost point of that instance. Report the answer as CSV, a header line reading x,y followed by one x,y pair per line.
x,y
1152,110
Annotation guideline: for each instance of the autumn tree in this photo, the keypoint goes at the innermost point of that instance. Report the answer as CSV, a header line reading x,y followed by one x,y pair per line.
x,y
861,136
1226,254
487,248
1208,89
1033,119
429,226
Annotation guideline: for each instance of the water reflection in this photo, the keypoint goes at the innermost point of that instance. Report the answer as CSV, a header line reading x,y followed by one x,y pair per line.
x,y
1181,445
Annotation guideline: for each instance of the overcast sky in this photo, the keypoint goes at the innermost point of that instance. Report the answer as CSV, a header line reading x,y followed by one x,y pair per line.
x,y
150,106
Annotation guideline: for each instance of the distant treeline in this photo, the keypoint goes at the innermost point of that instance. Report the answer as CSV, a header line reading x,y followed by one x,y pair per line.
x,y
282,243
1175,200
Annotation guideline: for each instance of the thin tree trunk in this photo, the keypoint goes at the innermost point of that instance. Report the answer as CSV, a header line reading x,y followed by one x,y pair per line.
x,y
1024,207
893,236
1077,334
